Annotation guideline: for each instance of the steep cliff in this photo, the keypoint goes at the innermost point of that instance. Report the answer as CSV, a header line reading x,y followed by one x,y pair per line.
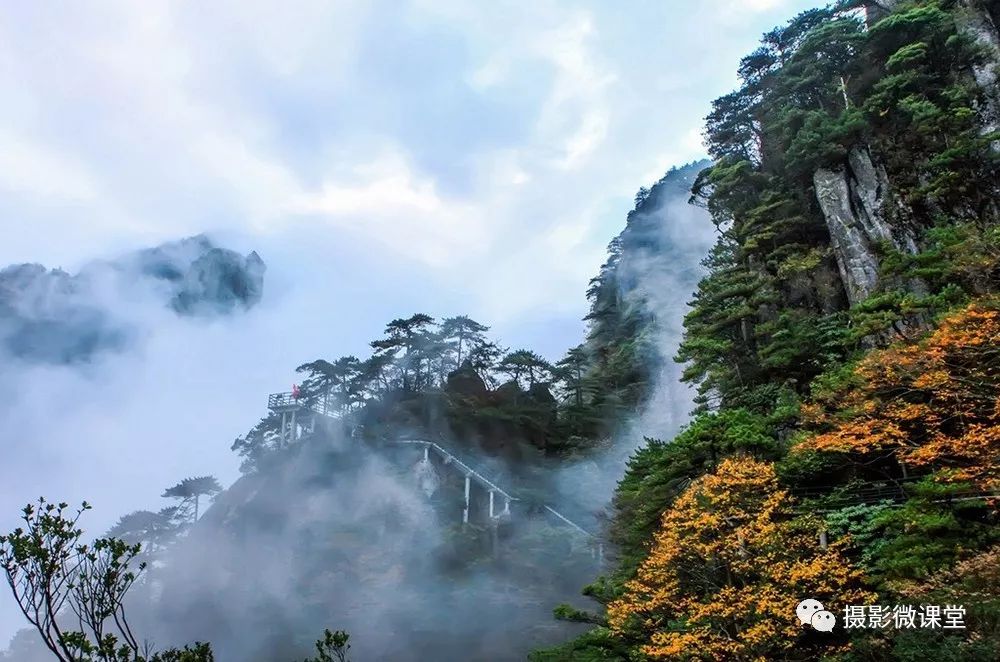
x,y
855,196
636,298
853,201
978,20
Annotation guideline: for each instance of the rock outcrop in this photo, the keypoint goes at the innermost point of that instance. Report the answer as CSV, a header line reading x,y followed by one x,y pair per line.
x,y
876,10
854,197
220,281
48,316
854,200
978,21
466,382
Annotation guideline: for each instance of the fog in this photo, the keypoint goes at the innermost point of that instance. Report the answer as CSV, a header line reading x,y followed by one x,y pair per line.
x,y
669,237
435,157
343,537
167,403
119,428
667,283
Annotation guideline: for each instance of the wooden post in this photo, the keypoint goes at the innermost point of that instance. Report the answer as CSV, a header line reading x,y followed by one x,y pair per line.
x,y
293,432
822,540
491,504
284,425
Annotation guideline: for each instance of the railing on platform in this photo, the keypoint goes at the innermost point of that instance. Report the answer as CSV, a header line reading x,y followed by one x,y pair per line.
x,y
490,485
283,401
287,401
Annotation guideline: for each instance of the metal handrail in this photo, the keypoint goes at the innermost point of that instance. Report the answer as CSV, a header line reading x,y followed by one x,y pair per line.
x,y
488,483
283,400
466,468
571,523
286,400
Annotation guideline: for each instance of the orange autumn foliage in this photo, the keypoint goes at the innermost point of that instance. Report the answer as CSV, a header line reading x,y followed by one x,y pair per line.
x,y
933,404
727,569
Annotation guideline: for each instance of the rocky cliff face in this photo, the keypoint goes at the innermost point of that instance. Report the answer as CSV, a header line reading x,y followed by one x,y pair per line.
x,y
876,10
55,317
200,277
978,19
854,199
220,281
45,316
979,22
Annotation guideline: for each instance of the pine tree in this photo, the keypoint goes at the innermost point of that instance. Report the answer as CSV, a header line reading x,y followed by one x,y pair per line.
x,y
190,490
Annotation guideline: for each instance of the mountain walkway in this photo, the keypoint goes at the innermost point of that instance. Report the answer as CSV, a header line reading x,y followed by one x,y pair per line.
x,y
297,412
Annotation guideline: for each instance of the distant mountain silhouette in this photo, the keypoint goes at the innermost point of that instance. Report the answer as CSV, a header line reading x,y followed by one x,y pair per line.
x,y
51,316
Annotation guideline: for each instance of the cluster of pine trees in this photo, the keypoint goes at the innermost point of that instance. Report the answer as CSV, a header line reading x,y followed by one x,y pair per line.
x,y
428,376
845,444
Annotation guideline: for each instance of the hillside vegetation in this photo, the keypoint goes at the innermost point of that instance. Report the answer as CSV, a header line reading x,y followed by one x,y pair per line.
x,y
846,348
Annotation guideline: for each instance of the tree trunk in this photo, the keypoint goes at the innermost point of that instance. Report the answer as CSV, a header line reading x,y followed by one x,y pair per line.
x,y
579,387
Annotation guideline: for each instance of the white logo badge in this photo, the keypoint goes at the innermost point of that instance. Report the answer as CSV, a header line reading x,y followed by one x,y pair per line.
x,y
806,609
823,621
811,612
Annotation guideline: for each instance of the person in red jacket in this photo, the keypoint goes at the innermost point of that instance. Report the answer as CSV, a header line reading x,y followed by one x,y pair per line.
x,y
295,391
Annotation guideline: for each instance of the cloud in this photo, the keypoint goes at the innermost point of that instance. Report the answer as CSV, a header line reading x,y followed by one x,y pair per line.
x,y
386,201
36,170
175,118
762,5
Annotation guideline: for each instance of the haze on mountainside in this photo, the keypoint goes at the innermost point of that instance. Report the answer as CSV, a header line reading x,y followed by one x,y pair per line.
x,y
332,491
817,419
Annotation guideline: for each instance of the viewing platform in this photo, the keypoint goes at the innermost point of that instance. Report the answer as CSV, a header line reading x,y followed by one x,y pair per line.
x,y
284,402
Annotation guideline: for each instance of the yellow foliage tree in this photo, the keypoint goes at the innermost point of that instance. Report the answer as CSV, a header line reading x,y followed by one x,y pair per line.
x,y
933,404
726,571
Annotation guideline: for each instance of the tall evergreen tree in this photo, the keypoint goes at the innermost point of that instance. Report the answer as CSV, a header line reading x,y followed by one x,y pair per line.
x,y
525,364
402,336
465,332
190,490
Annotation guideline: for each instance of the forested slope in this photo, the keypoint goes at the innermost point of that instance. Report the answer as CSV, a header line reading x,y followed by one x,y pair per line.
x,y
846,347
